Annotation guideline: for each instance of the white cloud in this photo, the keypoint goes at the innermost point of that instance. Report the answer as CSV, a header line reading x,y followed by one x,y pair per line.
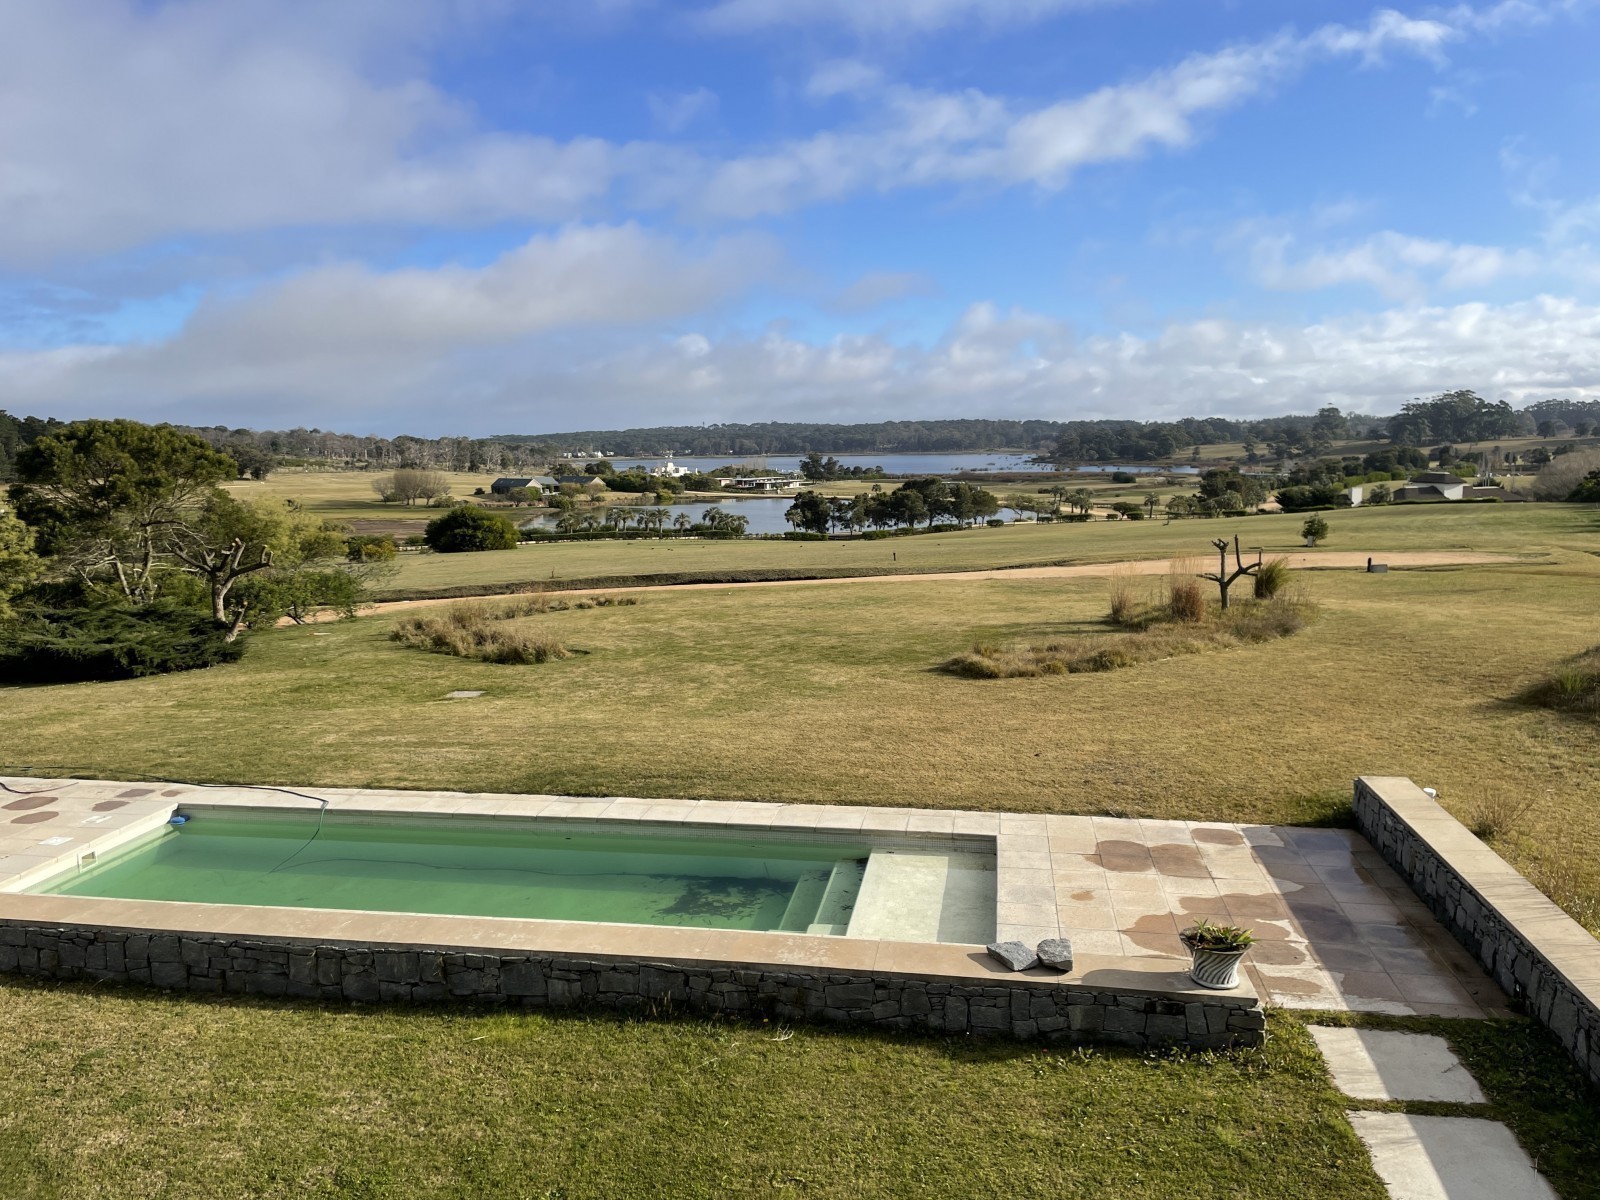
x,y
676,111
123,124
919,137
256,364
877,288
873,17
346,336
1395,264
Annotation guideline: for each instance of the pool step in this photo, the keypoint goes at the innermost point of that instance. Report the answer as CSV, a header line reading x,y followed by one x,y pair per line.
x,y
839,898
802,909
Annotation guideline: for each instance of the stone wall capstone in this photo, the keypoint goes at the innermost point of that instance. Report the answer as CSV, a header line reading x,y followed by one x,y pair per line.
x,y
1553,972
370,974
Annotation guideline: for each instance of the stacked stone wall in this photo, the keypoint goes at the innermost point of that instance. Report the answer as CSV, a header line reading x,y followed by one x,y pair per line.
x,y
371,974
1564,997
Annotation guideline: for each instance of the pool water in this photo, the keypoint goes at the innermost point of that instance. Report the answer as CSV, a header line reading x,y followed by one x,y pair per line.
x,y
490,868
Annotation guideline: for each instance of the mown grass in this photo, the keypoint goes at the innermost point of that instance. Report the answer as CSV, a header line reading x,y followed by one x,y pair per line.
x,y
1511,529
827,694
1530,1083
116,1094
127,1093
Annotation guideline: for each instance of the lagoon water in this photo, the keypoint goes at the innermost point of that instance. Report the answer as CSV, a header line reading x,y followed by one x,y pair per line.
x,y
896,464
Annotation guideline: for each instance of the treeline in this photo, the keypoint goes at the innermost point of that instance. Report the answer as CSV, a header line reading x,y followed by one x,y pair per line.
x,y
801,437
17,433
121,554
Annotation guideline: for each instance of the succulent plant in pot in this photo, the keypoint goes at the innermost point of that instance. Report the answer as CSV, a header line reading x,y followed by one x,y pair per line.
x,y
1214,953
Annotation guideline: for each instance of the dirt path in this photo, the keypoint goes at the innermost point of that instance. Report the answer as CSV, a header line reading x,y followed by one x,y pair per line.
x,y
1139,566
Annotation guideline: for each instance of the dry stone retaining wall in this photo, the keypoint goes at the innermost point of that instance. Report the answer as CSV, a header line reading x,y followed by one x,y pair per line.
x,y
1534,951
324,971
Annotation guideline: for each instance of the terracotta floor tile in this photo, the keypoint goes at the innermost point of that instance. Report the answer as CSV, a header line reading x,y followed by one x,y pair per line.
x,y
1402,937
1087,916
1430,989
1095,941
1369,985
1281,954
1255,908
1293,872
1153,945
1396,959
1372,914
1345,957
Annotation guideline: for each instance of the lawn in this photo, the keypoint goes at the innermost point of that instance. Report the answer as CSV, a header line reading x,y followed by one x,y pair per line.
x,y
1515,529
829,694
348,495
122,1093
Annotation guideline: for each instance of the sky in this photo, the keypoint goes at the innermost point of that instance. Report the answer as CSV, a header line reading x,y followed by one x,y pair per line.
x,y
472,217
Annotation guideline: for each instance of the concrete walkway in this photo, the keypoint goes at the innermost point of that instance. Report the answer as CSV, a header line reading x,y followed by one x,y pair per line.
x,y
1426,1157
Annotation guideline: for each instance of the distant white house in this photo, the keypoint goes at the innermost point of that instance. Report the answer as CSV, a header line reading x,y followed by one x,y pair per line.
x,y
670,470
759,483
508,483
1442,485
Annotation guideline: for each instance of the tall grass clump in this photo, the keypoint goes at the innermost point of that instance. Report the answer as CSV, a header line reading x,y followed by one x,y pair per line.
x,y
476,633
1572,687
1498,815
1125,606
1242,624
1272,578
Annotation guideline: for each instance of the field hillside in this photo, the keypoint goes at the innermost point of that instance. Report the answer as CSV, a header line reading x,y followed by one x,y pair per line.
x,y
829,694
1523,529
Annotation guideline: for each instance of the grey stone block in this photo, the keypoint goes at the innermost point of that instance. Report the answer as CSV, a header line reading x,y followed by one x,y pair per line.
x,y
169,973
1056,952
1015,955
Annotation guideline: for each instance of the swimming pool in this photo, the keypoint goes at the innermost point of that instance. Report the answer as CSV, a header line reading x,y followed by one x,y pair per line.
x,y
632,874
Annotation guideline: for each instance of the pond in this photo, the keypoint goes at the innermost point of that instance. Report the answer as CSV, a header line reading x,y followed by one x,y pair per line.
x,y
897,464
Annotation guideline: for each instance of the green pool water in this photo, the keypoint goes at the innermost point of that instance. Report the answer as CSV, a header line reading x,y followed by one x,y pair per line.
x,y
484,868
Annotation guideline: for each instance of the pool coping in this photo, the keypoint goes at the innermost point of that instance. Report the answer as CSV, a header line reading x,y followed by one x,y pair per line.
x,y
1025,895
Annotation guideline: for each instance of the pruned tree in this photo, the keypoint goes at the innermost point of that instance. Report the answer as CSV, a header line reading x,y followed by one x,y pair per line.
x,y
1222,576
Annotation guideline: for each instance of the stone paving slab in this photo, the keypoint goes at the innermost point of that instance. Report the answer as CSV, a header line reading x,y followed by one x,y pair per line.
x,y
1380,1064
1339,929
1448,1158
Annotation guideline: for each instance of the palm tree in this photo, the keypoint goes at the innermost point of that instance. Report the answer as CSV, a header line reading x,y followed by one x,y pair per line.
x,y
681,522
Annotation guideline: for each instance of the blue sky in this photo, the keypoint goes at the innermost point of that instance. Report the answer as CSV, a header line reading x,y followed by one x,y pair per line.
x,y
480,216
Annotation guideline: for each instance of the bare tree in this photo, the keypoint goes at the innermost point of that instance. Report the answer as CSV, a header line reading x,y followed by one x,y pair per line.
x,y
1224,578
408,485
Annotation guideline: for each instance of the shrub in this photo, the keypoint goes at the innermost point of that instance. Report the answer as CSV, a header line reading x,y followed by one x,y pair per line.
x,y
371,548
1314,530
108,640
468,528
1124,477
1573,686
1271,578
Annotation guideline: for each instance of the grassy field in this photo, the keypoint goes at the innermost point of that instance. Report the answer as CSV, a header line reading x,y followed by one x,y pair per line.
x,y
830,695
124,1094
1514,529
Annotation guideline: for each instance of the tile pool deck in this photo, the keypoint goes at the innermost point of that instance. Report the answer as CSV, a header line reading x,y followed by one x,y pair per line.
x,y
1339,930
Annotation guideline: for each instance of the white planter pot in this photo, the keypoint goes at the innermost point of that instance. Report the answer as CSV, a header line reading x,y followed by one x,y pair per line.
x,y
1217,969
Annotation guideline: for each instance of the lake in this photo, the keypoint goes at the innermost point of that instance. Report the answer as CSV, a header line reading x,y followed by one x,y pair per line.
x,y
765,515
897,464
